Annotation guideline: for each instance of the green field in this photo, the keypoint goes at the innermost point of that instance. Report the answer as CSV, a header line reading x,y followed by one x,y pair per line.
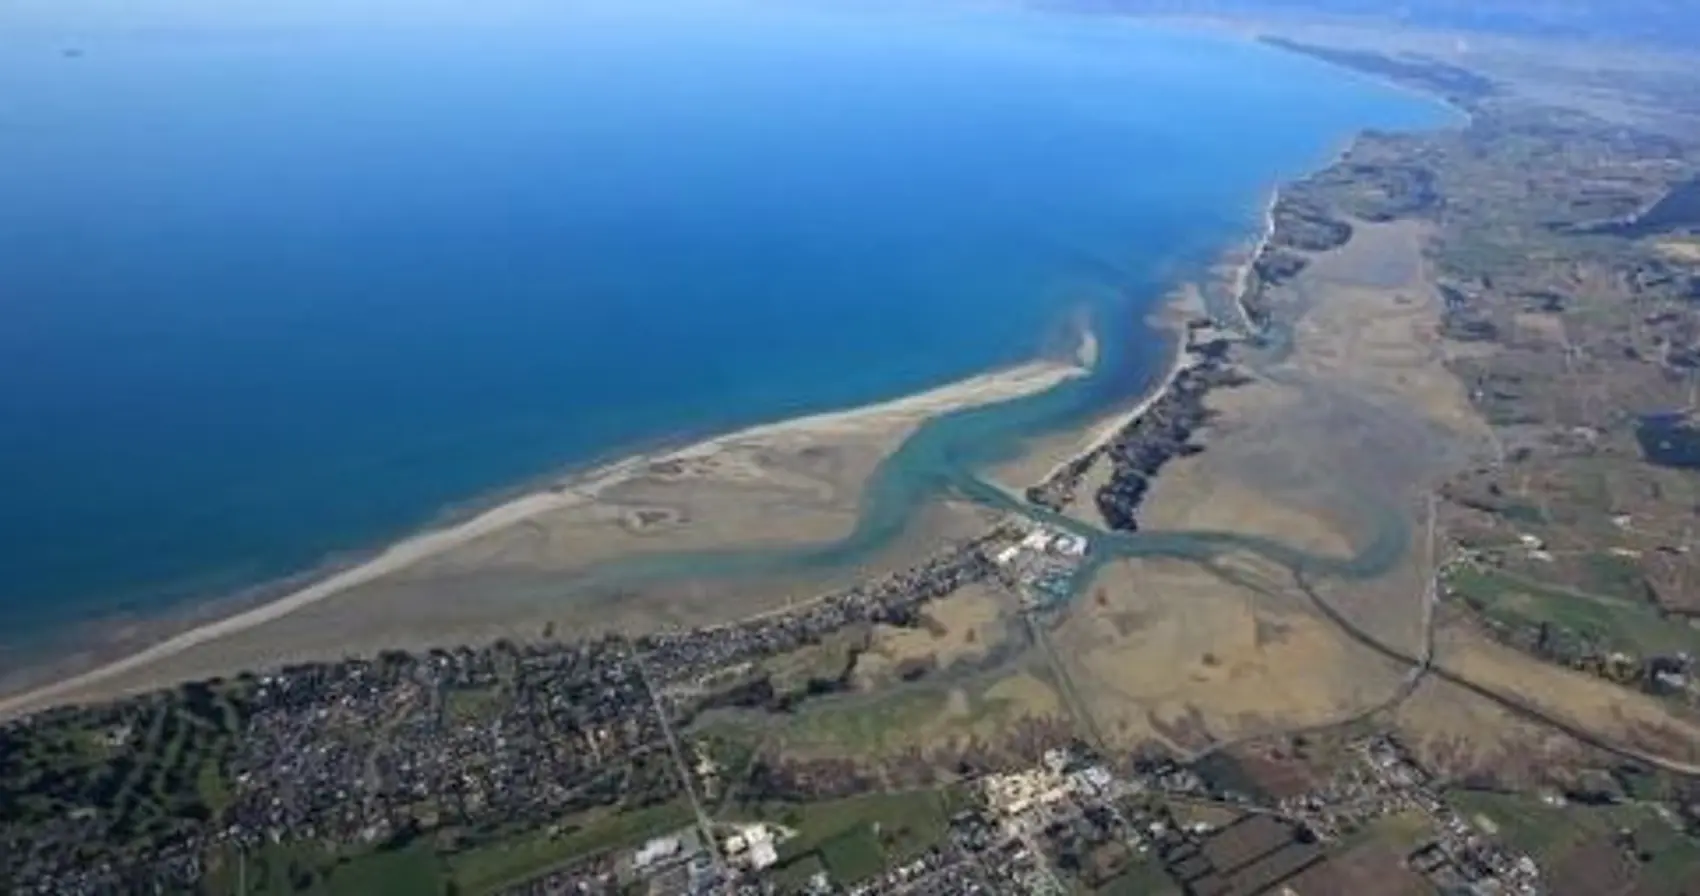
x,y
828,661
306,870
1675,858
854,854
513,860
1404,832
299,869
1613,576
417,870
147,775
909,716
1618,625
271,871
466,705
1547,832
1145,878
1527,824
855,838
862,725
403,872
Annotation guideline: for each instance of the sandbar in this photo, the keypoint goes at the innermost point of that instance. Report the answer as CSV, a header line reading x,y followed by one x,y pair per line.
x,y
819,462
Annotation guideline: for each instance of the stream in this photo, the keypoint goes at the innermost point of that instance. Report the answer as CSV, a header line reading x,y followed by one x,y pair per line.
x,y
944,459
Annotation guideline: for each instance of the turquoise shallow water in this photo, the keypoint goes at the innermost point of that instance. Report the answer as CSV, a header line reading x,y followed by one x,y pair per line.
x,y
276,290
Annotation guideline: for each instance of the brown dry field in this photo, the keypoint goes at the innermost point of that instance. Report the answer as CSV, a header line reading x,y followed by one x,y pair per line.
x,y
1362,413
1624,716
963,627
972,703
1535,326
1362,418
1371,323
1459,734
1354,425
1685,250
1163,650
933,719
1359,418
1372,865
1084,507
1364,402
1210,491
1366,350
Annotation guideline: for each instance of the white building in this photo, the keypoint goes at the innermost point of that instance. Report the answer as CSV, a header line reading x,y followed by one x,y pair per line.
x,y
656,850
1069,545
753,846
763,853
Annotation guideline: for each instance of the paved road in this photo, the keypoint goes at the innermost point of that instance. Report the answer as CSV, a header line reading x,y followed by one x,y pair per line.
x,y
1512,704
704,825
1423,665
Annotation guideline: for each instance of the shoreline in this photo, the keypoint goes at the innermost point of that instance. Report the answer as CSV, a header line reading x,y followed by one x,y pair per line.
x,y
1187,302
470,520
1246,269
553,493
1176,315
1170,317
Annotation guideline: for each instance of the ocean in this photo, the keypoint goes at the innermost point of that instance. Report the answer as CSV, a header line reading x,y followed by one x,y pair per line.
x,y
276,289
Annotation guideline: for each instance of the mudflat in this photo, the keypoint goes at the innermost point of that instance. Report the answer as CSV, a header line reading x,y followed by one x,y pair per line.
x,y
510,570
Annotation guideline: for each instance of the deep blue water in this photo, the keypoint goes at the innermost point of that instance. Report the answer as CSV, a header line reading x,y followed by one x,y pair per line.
x,y
273,291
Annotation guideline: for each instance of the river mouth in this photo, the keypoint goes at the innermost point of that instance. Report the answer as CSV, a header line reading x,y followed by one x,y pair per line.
x,y
1229,615
948,457
1341,428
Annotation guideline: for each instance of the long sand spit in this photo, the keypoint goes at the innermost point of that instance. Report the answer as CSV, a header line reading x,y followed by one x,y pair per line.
x,y
1044,462
106,681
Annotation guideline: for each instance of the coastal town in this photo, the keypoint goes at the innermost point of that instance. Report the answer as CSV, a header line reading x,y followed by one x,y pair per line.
x,y
455,747
281,782
446,744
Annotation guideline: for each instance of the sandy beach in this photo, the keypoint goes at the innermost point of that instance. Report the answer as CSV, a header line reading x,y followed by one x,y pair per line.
x,y
736,462
1186,305
1046,456
1243,271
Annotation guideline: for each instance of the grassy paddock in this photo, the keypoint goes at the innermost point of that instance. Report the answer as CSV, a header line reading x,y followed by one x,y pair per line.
x,y
854,838
1547,832
510,861
1617,624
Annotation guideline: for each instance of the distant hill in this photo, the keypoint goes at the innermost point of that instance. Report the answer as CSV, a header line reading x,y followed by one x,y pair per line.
x,y
1665,22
